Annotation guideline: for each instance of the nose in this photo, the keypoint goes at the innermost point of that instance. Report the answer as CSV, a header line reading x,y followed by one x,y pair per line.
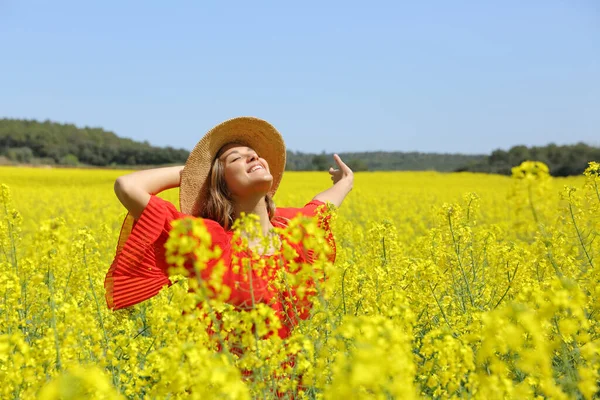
x,y
252,157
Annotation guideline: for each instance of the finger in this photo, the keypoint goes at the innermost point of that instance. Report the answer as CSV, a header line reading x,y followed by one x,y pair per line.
x,y
340,163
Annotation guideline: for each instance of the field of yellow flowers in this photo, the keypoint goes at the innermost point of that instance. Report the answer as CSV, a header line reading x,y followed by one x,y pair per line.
x,y
444,286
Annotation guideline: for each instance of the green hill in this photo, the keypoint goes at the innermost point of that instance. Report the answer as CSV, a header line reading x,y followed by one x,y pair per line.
x,y
30,141
33,142
561,160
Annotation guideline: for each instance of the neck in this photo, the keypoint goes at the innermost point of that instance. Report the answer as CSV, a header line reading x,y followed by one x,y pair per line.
x,y
254,205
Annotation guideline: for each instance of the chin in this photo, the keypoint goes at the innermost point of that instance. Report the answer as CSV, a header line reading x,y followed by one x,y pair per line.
x,y
267,177
264,185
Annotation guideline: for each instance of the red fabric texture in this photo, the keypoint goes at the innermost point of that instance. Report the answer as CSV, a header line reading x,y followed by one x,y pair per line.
x,y
139,269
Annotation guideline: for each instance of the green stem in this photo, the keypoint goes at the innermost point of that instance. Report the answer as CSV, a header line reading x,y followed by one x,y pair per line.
x,y
439,306
510,281
535,217
100,319
462,270
469,210
384,260
344,290
53,320
579,235
12,241
553,263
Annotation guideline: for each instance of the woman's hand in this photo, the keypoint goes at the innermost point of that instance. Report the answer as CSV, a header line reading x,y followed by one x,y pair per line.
x,y
343,180
343,171
134,189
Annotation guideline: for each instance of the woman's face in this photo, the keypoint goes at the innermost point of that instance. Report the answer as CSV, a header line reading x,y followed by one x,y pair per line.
x,y
246,174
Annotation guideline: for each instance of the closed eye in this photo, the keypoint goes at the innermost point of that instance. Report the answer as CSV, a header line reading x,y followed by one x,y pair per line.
x,y
236,155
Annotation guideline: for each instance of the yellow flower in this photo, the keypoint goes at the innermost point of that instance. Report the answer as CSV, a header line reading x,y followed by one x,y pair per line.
x,y
440,287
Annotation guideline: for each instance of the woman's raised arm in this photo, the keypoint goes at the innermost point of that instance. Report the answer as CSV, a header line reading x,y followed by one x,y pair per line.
x,y
134,189
343,180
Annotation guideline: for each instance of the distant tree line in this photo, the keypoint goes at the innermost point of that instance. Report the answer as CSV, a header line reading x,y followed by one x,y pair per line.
x,y
33,142
30,141
383,161
561,160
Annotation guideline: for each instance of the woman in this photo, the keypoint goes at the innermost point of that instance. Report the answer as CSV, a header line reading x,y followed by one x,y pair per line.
x,y
235,168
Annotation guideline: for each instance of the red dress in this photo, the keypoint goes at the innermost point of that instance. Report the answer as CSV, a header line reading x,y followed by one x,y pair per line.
x,y
139,269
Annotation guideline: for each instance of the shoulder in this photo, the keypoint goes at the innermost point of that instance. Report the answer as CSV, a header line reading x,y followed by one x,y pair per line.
x,y
218,235
309,210
284,214
157,205
162,206
217,232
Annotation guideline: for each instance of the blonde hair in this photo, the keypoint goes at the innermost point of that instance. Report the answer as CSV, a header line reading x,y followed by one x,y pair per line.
x,y
219,204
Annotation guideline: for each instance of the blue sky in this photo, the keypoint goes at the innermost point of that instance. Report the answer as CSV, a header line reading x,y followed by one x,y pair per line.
x,y
431,76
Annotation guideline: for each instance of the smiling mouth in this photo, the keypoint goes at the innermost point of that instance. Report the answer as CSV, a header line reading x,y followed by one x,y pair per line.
x,y
256,168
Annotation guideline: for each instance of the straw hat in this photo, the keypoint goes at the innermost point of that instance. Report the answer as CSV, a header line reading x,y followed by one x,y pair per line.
x,y
253,132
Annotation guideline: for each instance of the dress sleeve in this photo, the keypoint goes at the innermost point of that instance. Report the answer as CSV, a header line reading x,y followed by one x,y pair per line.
x,y
139,269
309,210
314,208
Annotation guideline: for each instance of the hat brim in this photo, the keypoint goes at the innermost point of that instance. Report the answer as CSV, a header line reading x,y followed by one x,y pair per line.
x,y
253,132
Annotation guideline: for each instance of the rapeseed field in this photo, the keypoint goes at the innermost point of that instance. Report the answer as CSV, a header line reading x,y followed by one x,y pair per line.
x,y
444,286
